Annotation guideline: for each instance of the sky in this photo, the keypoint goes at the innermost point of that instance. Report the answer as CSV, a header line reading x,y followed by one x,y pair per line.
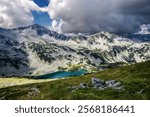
x,y
42,17
76,16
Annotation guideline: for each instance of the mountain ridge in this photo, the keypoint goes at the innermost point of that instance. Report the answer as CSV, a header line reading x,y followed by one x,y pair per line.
x,y
45,51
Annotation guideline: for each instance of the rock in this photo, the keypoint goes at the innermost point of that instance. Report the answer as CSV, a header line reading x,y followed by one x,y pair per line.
x,y
101,87
82,86
35,90
117,84
118,88
73,87
110,83
113,84
141,91
98,83
74,90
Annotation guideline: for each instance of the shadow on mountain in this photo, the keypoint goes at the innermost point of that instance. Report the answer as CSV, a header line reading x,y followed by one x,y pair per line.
x,y
13,56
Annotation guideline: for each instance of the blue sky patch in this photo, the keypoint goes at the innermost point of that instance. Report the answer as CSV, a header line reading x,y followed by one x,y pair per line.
x,y
41,17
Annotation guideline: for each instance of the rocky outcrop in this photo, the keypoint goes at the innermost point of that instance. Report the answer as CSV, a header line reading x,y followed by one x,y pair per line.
x,y
99,84
114,84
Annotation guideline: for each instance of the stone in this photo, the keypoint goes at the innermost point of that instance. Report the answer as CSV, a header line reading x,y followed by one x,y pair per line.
x,y
98,83
113,84
73,87
110,83
35,90
101,87
141,91
118,88
82,86
73,90
117,84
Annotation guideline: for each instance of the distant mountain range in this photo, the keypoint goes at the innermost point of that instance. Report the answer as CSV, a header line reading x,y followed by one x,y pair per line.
x,y
36,50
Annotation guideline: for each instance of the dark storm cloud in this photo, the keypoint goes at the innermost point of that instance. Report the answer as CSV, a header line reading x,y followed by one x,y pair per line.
x,y
96,15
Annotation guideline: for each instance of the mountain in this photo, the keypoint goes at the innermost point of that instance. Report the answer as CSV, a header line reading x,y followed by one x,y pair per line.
x,y
34,50
40,31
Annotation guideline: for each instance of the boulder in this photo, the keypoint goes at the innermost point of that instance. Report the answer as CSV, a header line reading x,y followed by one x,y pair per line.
x,y
35,90
82,86
118,88
101,87
98,83
110,83
74,90
141,91
74,87
114,84
117,84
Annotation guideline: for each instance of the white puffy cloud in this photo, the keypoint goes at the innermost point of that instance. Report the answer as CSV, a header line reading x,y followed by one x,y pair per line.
x,y
14,13
95,15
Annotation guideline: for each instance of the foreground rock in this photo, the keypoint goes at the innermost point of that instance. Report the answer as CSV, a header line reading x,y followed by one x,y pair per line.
x,y
114,84
33,92
83,86
99,84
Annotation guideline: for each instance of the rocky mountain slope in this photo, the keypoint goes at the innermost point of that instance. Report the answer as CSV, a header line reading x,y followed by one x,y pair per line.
x,y
36,50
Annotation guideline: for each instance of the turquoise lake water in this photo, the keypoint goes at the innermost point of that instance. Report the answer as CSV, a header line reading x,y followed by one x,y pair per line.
x,y
61,74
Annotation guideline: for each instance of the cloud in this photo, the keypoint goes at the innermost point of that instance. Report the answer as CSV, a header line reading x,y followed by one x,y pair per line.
x,y
96,15
55,26
15,13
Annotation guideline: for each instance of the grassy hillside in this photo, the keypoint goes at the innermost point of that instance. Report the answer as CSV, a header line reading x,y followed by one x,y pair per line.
x,y
135,78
